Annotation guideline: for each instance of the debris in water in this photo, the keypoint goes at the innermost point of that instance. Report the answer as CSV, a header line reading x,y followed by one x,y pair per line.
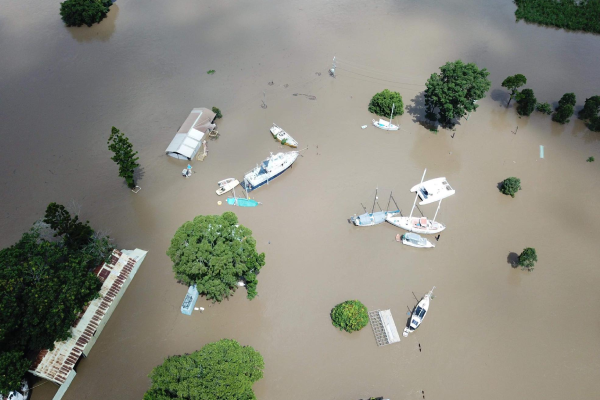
x,y
541,151
271,83
318,73
211,71
364,127
310,97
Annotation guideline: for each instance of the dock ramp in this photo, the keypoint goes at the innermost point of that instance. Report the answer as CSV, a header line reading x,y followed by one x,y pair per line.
x,y
384,327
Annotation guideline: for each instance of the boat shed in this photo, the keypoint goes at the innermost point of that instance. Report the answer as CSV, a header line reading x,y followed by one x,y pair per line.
x,y
188,139
58,365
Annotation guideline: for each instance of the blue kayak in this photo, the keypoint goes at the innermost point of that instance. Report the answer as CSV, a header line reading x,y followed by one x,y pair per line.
x,y
241,202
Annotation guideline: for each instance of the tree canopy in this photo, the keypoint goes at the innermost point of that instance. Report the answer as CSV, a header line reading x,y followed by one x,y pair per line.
x,y
45,283
568,14
591,113
382,103
88,12
452,93
350,316
124,156
510,186
214,252
565,108
528,258
526,102
513,83
222,370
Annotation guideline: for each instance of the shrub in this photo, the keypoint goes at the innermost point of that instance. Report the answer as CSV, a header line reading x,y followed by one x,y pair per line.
x,y
217,112
79,12
381,103
510,186
528,258
526,102
544,108
350,316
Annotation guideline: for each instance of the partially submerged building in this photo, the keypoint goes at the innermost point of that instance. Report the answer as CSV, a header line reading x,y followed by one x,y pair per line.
x,y
58,365
187,141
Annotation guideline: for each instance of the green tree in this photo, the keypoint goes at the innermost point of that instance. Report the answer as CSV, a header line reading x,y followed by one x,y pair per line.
x,y
513,83
594,124
591,112
452,93
544,108
350,316
79,12
528,258
526,102
76,234
510,186
214,252
382,103
124,156
217,112
13,366
565,108
222,370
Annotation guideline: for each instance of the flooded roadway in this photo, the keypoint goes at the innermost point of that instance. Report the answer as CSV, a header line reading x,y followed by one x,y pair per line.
x,y
493,332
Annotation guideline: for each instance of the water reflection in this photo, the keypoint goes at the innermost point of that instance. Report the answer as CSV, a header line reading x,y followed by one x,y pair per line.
x,y
102,31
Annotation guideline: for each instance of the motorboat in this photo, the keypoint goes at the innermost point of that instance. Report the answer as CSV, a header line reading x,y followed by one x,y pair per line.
x,y
386,125
372,218
418,314
420,225
433,190
268,170
282,136
226,185
414,240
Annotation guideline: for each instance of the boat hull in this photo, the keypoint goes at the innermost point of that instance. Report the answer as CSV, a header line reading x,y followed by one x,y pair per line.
x,y
370,219
249,186
227,187
241,202
385,125
426,244
410,225
437,189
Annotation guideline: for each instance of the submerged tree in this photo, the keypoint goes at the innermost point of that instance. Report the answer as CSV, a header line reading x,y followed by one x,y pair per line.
x,y
452,93
382,103
222,370
565,108
527,259
88,12
526,102
350,316
591,113
513,83
544,108
124,156
510,186
217,112
214,253
13,366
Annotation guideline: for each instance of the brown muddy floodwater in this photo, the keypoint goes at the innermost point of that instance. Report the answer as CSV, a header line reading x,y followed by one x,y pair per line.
x,y
493,332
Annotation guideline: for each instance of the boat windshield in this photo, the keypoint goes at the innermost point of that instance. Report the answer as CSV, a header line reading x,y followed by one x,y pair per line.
x,y
420,312
414,323
424,192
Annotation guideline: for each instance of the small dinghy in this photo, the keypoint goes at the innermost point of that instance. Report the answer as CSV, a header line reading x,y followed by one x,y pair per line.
x,y
418,314
414,240
385,125
282,136
226,185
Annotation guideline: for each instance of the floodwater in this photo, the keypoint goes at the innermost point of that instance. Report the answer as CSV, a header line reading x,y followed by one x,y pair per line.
x,y
493,332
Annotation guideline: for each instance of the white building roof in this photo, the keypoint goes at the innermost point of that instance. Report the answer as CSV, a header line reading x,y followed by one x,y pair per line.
x,y
188,139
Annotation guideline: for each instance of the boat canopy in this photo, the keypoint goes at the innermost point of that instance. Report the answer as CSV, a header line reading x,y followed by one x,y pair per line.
x,y
188,139
413,237
433,190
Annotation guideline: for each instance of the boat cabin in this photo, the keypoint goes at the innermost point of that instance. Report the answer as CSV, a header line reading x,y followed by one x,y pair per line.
x,y
186,143
415,239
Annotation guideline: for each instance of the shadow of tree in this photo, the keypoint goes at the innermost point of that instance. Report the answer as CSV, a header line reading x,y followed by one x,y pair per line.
x,y
138,174
417,110
513,259
501,96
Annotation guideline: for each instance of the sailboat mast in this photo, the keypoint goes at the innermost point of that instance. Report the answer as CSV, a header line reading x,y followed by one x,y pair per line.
x,y
374,200
417,195
392,113
438,209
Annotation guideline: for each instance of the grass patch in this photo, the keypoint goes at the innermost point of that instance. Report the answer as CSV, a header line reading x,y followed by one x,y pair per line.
x,y
210,72
581,15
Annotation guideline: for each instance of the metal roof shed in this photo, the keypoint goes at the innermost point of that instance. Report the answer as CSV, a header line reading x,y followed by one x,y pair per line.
x,y
188,139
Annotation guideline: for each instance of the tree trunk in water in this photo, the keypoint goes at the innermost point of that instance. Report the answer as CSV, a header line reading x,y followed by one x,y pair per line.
x,y
509,99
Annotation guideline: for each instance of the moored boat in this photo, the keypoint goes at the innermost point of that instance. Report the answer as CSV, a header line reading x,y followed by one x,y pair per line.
x,y
372,218
282,136
433,190
242,202
415,224
414,240
226,185
268,170
385,125
418,314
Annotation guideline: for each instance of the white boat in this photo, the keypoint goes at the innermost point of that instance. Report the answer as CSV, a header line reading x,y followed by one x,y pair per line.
x,y
282,136
418,314
373,218
269,169
415,224
433,190
385,125
226,185
414,240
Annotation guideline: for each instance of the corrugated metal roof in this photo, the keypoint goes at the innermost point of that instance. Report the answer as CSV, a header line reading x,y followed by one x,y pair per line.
x,y
55,365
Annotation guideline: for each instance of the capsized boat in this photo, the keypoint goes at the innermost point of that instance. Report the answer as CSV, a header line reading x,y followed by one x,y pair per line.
x,y
242,202
418,314
414,240
372,218
226,185
282,136
385,125
268,170
433,190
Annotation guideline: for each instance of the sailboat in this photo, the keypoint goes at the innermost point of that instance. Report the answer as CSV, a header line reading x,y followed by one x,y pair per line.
x,y
385,125
241,202
433,190
373,218
418,314
418,224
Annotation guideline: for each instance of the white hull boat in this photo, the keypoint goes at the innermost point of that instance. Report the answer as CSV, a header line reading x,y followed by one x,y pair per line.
x,y
282,136
385,125
226,185
433,190
418,314
422,225
414,240
269,169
